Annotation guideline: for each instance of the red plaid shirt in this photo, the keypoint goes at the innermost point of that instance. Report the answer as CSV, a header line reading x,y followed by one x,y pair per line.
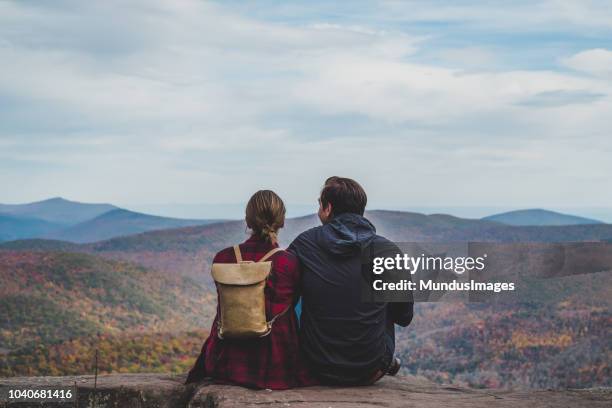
x,y
274,361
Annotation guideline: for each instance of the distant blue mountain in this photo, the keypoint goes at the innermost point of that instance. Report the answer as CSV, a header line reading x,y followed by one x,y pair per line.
x,y
57,210
119,222
61,219
13,227
539,217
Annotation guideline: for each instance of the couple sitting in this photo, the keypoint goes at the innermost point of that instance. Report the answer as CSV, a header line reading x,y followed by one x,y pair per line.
x,y
341,339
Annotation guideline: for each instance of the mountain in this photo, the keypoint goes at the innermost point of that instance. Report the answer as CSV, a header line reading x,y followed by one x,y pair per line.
x,y
119,222
539,217
145,291
57,210
15,227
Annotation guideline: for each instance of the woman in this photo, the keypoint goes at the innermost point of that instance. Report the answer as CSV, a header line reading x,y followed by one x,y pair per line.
x,y
273,361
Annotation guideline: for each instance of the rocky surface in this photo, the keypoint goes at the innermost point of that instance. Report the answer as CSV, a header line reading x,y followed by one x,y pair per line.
x,y
168,391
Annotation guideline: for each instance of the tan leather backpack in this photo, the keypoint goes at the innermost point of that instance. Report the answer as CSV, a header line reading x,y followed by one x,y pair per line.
x,y
242,301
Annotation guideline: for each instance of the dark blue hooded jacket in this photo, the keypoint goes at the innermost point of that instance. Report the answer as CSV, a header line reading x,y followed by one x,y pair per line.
x,y
342,335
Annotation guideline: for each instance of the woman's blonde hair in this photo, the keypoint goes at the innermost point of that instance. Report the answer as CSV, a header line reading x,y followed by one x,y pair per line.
x,y
265,214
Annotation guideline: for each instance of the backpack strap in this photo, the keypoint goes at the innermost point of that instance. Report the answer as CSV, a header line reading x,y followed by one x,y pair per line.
x,y
237,253
279,315
271,322
269,254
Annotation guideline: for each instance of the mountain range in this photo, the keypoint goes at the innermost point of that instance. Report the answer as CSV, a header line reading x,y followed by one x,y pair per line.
x,y
61,219
145,300
188,250
57,218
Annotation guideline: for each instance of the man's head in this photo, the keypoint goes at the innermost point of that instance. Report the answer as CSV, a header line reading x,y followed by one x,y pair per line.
x,y
341,195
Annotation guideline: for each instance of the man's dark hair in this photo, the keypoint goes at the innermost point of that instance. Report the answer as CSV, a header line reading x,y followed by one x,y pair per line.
x,y
345,196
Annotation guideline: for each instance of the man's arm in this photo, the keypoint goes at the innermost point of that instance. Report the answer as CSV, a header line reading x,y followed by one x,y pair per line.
x,y
293,248
401,308
401,313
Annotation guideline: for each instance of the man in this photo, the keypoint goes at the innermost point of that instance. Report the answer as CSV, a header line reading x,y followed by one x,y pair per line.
x,y
347,339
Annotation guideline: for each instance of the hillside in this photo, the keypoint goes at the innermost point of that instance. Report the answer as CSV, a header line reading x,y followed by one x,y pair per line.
x,y
49,298
538,217
521,346
57,210
39,244
142,351
119,222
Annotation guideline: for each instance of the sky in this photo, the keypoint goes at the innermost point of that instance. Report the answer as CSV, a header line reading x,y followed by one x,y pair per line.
x,y
428,104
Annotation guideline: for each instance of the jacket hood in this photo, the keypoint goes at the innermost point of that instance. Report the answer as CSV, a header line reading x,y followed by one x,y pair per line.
x,y
347,234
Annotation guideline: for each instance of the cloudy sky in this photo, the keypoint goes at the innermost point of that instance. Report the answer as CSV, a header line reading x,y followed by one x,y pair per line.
x,y
427,103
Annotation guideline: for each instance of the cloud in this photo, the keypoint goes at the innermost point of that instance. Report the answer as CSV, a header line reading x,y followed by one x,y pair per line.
x,y
561,98
597,62
529,15
160,61
182,99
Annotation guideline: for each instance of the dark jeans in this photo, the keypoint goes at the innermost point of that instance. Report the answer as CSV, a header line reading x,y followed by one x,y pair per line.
x,y
389,344
347,379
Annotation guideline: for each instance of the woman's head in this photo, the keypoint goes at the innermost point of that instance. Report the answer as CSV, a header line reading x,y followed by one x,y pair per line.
x,y
265,214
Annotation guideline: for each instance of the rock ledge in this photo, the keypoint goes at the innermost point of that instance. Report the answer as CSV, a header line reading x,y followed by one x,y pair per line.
x,y
168,391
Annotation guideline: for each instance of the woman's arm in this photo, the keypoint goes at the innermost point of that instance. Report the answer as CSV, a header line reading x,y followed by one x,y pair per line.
x,y
283,282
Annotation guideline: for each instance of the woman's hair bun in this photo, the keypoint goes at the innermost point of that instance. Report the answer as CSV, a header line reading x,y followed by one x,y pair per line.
x,y
265,214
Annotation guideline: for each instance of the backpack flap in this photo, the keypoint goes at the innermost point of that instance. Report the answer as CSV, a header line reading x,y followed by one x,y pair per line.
x,y
241,274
